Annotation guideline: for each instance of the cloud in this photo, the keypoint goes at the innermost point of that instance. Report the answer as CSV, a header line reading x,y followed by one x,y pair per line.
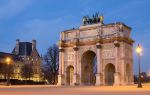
x,y
13,7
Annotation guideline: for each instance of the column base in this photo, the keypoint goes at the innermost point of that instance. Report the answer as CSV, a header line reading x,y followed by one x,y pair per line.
x,y
131,83
75,79
117,79
99,80
61,80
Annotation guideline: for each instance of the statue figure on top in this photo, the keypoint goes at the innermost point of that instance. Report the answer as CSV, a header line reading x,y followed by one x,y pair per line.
x,y
95,19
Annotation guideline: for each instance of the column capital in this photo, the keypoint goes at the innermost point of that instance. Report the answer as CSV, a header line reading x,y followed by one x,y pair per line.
x,y
75,48
117,44
60,43
98,45
61,49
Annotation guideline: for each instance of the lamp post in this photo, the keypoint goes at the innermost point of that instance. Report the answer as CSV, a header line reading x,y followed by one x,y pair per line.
x,y
139,53
8,60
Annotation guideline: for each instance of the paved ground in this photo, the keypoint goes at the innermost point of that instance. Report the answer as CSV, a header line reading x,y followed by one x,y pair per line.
x,y
78,90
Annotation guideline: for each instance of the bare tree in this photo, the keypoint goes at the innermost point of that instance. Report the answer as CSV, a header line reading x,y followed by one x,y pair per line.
x,y
3,70
27,71
50,64
6,70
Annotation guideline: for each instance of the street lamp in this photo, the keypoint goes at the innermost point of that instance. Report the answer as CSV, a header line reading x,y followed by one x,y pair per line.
x,y
139,50
8,60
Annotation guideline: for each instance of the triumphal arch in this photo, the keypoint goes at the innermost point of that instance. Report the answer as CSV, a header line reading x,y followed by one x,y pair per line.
x,y
96,54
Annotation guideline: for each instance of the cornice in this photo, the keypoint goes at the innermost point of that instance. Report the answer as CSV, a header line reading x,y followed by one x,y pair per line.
x,y
94,41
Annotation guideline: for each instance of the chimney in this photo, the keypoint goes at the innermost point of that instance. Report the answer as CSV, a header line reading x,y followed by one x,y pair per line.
x,y
33,44
17,41
17,47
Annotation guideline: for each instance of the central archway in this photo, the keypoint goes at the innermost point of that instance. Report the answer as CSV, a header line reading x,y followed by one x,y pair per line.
x,y
109,74
88,67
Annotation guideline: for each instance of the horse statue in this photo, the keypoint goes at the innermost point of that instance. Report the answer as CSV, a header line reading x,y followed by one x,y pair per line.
x,y
95,19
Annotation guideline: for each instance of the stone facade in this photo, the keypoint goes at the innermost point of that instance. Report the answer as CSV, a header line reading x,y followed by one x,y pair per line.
x,y
24,53
27,51
109,44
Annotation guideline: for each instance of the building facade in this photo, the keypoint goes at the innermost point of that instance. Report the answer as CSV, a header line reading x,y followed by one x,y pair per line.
x,y
96,54
24,53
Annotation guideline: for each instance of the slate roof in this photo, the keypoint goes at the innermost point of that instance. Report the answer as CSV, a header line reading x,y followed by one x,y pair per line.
x,y
25,49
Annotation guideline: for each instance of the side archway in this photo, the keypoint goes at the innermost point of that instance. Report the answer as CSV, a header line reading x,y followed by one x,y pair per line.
x,y
69,75
109,74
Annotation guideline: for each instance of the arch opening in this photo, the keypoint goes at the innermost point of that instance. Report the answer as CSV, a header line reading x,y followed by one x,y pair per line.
x,y
88,68
69,75
109,74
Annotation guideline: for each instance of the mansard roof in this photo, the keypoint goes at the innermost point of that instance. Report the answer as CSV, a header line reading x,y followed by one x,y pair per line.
x,y
25,49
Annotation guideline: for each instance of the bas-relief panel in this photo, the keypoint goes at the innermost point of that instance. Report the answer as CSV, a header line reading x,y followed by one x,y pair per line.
x,y
109,31
108,54
69,56
108,51
88,33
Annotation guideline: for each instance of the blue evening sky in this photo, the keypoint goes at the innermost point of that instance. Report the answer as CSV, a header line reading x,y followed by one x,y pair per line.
x,y
43,20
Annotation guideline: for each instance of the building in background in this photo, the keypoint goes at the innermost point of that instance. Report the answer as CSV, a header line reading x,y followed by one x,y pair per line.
x,y
24,53
17,64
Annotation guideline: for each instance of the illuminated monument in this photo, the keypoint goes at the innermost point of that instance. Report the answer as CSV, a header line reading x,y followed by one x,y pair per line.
x,y
96,54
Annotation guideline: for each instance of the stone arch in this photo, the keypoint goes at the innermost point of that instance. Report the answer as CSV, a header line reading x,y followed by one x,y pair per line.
x,y
109,74
88,48
88,68
69,75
